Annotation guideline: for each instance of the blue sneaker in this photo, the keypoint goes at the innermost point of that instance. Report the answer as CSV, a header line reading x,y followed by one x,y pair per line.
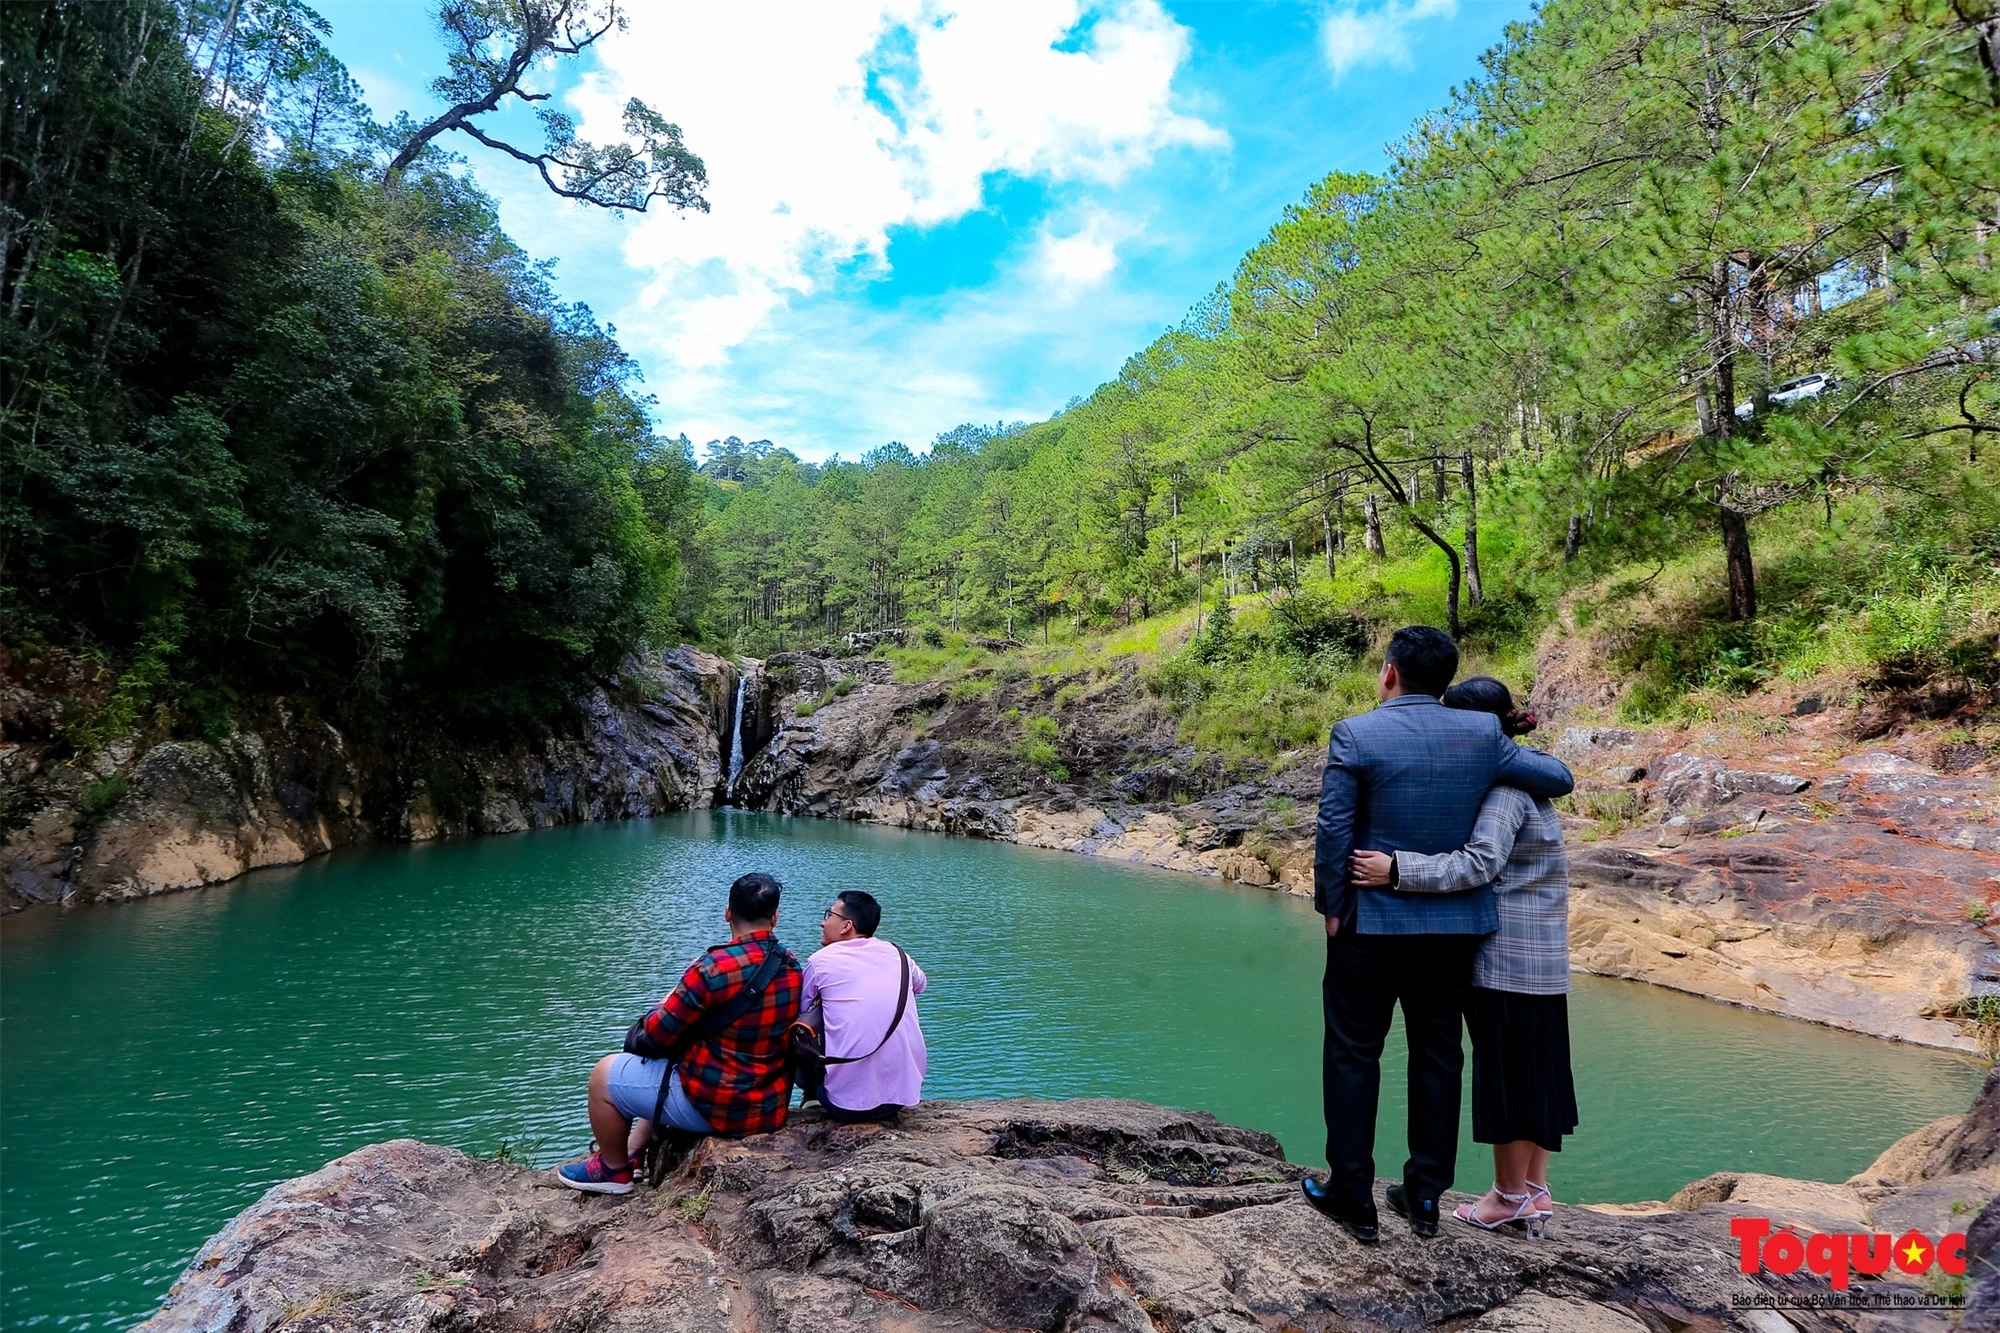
x,y
593,1176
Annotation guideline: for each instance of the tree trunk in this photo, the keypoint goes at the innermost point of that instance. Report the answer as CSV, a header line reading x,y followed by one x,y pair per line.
x,y
1472,584
1742,573
1574,539
1437,479
1372,531
1197,590
1722,330
1326,537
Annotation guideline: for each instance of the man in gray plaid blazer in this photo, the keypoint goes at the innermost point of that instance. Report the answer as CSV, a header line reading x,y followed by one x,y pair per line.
x,y
1408,776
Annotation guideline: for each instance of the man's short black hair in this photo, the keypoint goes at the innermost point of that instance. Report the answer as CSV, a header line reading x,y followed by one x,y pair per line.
x,y
754,898
1425,658
862,909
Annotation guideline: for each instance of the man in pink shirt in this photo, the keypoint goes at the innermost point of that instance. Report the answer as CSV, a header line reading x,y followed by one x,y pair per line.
x,y
858,979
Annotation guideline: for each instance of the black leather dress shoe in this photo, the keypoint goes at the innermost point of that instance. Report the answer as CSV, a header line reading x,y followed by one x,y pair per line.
x,y
1423,1219
1360,1222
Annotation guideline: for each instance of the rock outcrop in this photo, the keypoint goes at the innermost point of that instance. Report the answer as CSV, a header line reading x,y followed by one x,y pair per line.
x,y
125,821
1016,1215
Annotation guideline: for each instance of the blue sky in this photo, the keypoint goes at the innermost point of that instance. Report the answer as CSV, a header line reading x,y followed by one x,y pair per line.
x,y
926,213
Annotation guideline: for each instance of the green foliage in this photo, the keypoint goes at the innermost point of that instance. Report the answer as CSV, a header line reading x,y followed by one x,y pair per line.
x,y
1038,746
101,798
1218,641
272,430
524,1151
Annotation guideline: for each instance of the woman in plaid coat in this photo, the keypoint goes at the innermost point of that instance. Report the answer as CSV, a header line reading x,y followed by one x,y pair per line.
x,y
1523,1096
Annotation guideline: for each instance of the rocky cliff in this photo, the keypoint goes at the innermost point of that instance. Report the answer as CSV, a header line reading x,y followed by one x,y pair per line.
x,y
128,819
1043,1215
1790,867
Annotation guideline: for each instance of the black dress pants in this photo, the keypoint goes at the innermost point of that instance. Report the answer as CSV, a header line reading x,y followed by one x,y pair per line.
x,y
1367,976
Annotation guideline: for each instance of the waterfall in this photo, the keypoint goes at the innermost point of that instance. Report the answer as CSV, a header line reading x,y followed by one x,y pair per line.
x,y
735,740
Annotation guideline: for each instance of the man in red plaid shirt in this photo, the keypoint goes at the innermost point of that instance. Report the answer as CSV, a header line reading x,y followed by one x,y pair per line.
x,y
699,1074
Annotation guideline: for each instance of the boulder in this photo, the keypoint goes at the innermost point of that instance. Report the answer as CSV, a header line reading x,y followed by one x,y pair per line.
x,y
1584,744
1093,1214
1690,783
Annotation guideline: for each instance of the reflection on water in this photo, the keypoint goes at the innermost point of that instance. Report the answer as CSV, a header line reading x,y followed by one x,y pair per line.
x,y
164,1062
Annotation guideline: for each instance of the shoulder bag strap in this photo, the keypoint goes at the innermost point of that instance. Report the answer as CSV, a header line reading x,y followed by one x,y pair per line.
x,y
902,1003
712,1021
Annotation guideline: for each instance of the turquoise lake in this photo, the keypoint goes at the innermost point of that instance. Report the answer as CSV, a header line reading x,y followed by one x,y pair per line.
x,y
164,1062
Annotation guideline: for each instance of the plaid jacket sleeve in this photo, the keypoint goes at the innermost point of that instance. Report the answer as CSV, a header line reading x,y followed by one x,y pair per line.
x,y
1482,858
683,1005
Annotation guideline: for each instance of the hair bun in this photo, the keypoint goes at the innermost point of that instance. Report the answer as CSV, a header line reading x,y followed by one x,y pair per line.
x,y
1518,723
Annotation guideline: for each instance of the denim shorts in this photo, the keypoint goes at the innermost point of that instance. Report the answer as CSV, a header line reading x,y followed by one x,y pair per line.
x,y
634,1086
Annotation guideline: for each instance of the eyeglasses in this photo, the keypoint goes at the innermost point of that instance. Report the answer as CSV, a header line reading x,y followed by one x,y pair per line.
x,y
837,916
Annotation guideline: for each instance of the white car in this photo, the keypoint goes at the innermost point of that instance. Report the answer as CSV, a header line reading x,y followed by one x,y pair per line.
x,y
1792,391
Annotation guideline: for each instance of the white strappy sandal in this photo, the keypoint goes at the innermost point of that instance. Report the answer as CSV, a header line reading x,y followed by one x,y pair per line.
x,y
1542,1215
1524,1213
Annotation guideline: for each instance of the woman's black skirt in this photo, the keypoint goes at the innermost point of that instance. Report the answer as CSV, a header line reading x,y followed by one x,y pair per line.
x,y
1521,1084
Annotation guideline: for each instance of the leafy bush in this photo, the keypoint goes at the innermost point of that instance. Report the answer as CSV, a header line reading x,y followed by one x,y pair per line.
x,y
1038,746
1309,623
1218,641
1650,700
1182,680
971,687
1911,626
100,798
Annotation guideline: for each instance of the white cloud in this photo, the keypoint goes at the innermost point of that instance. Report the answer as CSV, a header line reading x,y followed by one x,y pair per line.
x,y
852,119
1351,35
1083,255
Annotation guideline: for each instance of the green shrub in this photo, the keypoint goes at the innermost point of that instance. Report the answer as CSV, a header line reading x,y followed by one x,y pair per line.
x,y
1043,756
1038,746
100,798
1182,680
1310,623
1324,668
971,687
1218,641
844,686
1650,700
1913,625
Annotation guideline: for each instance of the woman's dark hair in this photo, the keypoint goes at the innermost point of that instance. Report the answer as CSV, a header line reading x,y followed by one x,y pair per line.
x,y
861,909
1483,694
754,898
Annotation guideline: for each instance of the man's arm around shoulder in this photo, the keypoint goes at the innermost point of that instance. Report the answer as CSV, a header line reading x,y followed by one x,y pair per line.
x,y
1532,771
1339,799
